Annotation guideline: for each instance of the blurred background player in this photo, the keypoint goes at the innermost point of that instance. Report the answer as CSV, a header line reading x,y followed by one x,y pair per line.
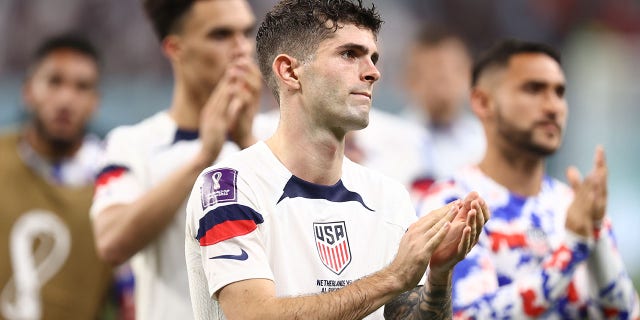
x,y
437,76
49,268
150,167
549,249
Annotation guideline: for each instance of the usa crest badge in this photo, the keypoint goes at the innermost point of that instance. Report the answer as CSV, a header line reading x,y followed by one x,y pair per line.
x,y
332,243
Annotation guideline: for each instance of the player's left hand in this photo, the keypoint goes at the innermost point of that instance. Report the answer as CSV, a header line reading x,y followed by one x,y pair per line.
x,y
591,193
465,231
247,102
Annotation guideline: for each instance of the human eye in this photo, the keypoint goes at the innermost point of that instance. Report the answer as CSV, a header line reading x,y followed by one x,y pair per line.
x,y
219,34
534,87
348,54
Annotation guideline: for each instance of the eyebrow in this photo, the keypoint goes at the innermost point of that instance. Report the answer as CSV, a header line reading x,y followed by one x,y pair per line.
x,y
358,47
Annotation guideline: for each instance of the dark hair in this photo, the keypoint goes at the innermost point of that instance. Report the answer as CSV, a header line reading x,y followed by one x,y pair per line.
x,y
166,15
66,41
297,27
500,53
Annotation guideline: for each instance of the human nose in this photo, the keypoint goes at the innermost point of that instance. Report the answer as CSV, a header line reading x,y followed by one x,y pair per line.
x,y
243,46
555,104
371,72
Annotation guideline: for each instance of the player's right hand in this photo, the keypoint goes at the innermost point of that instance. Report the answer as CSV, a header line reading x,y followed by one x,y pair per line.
x,y
418,244
218,113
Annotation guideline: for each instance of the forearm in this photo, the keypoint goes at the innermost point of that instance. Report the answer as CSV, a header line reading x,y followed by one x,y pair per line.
x,y
431,301
614,287
354,301
122,230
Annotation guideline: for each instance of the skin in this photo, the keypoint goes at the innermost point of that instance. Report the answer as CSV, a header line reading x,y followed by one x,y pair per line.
x,y
61,95
217,89
437,79
321,100
523,111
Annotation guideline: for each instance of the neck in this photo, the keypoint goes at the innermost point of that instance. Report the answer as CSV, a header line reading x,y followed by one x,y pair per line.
x,y
519,172
310,153
49,148
186,106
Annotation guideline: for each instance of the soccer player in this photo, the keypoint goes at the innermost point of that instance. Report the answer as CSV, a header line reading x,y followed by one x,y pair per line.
x,y
437,76
49,268
290,228
549,250
150,167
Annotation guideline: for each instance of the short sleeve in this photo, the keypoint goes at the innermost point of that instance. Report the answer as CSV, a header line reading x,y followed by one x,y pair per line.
x,y
120,179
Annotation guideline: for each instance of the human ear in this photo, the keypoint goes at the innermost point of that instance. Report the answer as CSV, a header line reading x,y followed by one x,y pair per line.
x,y
286,70
171,47
480,102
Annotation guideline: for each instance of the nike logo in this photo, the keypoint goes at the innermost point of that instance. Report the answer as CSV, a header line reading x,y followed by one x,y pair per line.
x,y
242,256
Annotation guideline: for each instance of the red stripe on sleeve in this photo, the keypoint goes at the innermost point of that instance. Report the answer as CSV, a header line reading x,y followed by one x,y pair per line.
x,y
227,230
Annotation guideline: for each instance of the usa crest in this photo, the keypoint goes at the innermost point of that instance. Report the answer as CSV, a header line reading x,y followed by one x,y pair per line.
x,y
218,186
332,243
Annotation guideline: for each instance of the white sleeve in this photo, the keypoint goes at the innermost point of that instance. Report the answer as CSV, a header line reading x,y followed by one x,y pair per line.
x,y
121,170
225,223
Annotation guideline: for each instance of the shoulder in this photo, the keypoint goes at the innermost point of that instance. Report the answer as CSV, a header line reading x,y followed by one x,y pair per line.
x,y
446,190
154,129
368,179
379,192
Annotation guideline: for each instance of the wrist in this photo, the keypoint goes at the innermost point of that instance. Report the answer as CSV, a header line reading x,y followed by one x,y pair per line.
x,y
440,278
202,160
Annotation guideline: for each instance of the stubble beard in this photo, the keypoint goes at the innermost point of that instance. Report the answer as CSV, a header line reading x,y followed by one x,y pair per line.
x,y
60,146
521,139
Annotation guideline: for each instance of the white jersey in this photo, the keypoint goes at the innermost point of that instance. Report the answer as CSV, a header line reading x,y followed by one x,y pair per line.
x,y
388,141
137,158
249,217
76,171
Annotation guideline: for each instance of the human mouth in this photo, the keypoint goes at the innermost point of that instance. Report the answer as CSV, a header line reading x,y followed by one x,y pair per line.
x,y
550,126
365,94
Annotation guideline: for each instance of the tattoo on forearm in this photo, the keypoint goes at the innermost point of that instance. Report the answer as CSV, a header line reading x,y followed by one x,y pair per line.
x,y
421,303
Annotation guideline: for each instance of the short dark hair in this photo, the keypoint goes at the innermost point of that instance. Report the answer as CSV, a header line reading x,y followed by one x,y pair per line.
x,y
297,27
73,42
501,52
166,15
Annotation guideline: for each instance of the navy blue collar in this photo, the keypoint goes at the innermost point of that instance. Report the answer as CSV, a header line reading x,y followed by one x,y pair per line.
x,y
298,188
185,135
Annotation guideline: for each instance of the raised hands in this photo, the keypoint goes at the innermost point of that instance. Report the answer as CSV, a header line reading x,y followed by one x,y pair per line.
x,y
466,226
440,239
231,107
248,96
590,196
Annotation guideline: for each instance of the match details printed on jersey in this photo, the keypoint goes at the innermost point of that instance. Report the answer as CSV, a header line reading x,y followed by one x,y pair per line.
x,y
332,243
219,186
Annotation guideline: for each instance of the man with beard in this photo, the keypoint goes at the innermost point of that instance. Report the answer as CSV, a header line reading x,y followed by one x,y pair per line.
x,y
548,250
150,167
49,268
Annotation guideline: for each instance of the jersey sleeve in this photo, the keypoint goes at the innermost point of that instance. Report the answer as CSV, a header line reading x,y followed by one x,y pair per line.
x,y
612,287
224,222
120,179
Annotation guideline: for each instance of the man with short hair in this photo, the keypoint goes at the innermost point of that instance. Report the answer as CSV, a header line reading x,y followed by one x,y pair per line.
x,y
138,208
290,228
49,268
549,250
436,78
